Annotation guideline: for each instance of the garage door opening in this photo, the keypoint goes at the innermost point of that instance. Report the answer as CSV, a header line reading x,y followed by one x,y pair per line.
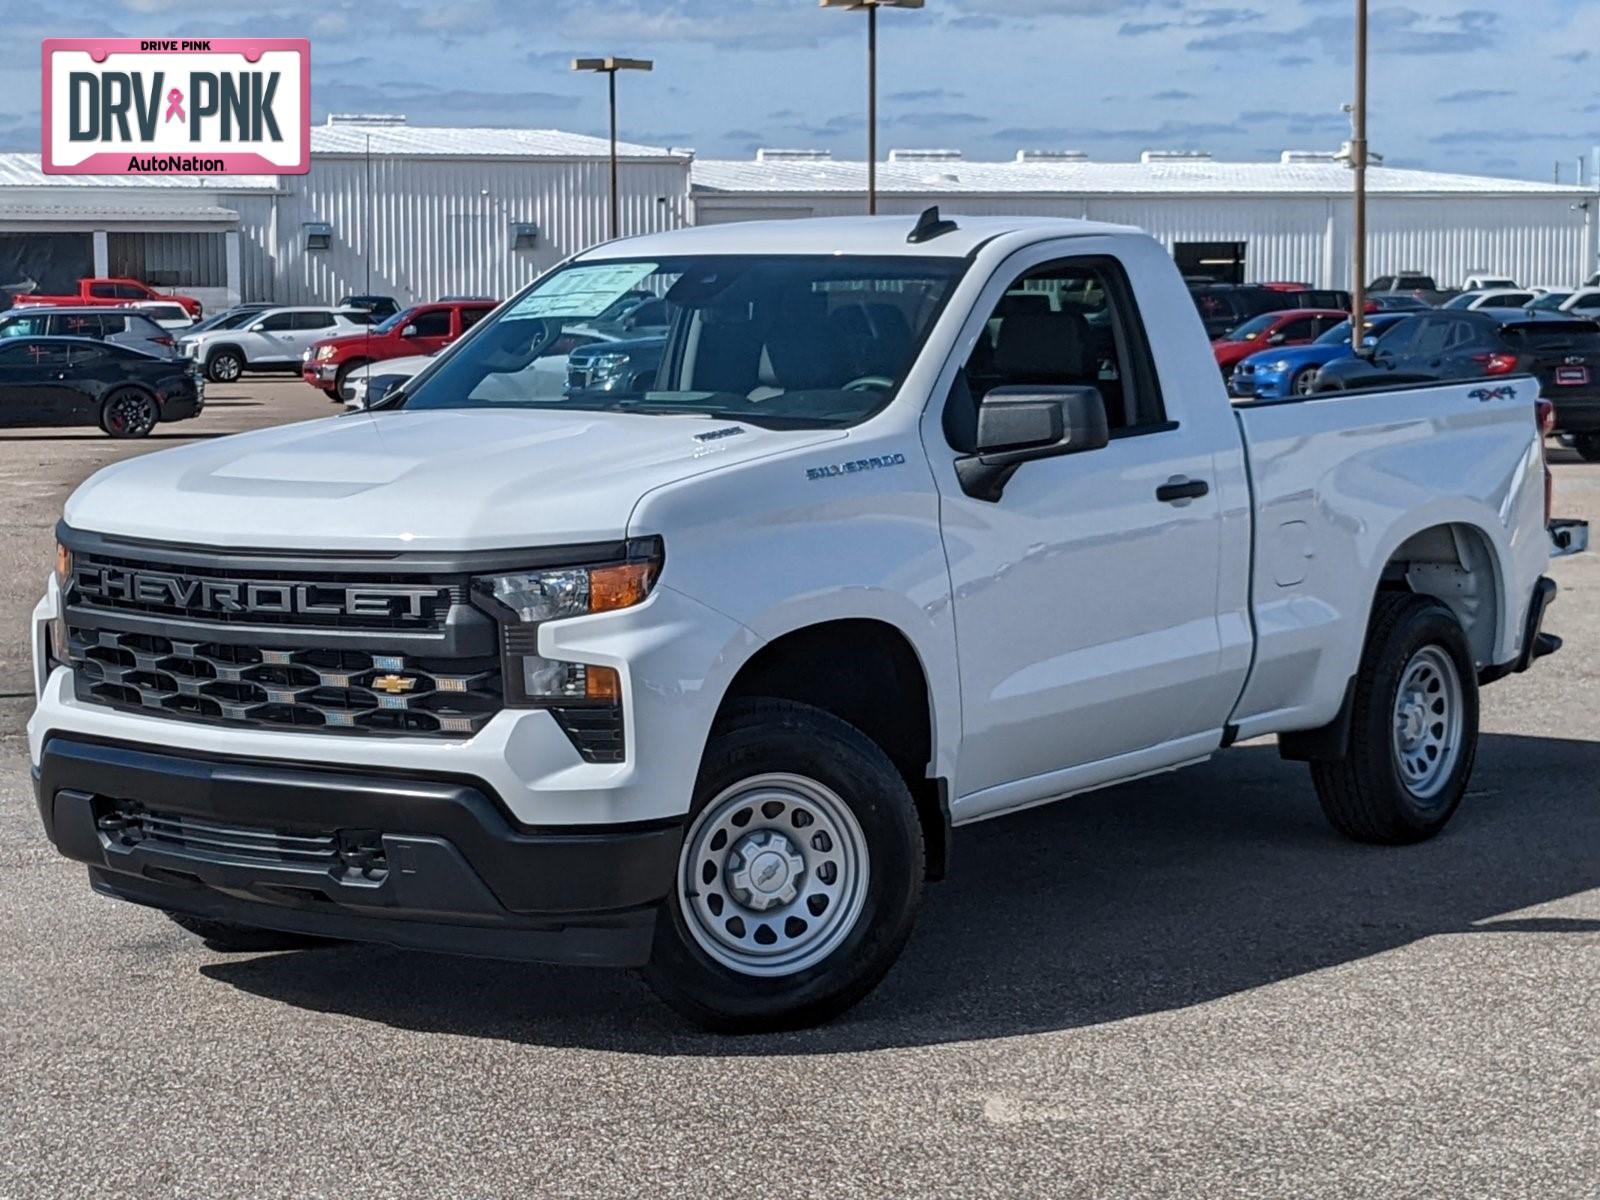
x,y
1214,262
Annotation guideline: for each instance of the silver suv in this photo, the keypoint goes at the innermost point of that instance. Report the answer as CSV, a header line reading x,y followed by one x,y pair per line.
x,y
125,327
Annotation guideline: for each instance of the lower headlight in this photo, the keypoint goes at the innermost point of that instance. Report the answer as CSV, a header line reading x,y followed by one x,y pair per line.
x,y
524,600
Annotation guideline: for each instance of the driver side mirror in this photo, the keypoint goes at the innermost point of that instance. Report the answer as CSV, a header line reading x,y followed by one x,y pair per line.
x,y
258,327
1020,424
409,331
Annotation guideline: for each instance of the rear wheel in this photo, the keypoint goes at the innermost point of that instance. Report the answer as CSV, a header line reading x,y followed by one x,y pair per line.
x,y
224,366
129,413
1588,446
1414,728
799,877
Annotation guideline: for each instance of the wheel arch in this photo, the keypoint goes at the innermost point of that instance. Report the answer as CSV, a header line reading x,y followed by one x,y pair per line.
x,y
868,672
1458,564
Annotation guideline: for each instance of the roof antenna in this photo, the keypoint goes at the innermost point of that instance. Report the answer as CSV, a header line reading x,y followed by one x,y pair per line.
x,y
930,226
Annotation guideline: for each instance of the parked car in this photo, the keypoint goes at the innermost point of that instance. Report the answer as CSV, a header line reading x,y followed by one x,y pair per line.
x,y
1395,302
1225,306
1414,284
97,291
366,388
1297,327
1489,343
1292,371
628,365
421,329
123,327
707,678
381,307
64,381
228,318
1490,283
1583,302
1470,301
274,339
165,313
1550,300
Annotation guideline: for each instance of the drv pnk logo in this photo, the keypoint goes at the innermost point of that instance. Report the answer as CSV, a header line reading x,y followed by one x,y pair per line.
x,y
210,106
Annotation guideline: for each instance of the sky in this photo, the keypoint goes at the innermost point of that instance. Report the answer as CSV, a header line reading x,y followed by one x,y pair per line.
x,y
1507,90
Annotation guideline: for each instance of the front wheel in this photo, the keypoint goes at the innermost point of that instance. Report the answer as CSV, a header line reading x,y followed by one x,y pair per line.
x,y
224,366
1588,446
342,377
799,877
129,413
1304,382
1414,728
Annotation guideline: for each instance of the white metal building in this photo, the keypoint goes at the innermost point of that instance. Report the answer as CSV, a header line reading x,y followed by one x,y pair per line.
x,y
1285,220
408,211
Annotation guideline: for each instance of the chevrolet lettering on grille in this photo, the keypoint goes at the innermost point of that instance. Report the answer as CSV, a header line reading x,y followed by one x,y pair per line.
x,y
161,589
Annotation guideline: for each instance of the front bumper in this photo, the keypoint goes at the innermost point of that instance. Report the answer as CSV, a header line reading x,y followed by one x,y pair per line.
x,y
319,374
422,863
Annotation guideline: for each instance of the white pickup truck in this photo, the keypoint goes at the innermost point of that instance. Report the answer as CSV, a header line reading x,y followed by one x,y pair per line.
x,y
914,524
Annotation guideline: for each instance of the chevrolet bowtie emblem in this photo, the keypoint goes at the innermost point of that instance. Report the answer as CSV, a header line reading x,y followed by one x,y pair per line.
x,y
395,684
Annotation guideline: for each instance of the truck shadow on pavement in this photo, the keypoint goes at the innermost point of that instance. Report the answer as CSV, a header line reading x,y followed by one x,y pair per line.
x,y
1146,898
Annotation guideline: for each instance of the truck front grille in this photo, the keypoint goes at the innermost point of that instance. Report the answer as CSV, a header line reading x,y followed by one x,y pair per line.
x,y
358,850
339,690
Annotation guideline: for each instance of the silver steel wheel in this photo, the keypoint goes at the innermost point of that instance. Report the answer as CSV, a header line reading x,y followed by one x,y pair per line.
x,y
1428,710
773,875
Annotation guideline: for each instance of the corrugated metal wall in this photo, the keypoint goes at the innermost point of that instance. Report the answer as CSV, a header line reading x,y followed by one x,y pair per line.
x,y
1535,240
170,260
441,226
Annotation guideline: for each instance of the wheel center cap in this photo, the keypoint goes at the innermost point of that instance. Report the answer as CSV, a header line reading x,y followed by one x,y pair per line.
x,y
1413,719
764,870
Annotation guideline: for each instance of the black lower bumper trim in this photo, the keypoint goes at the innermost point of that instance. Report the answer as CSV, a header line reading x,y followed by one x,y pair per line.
x,y
427,863
1536,644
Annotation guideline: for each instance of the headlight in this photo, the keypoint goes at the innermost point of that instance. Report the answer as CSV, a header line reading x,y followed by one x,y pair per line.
x,y
524,600
605,368
324,352
1279,367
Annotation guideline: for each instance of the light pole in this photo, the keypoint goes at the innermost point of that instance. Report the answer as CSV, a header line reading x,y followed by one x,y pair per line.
x,y
872,7
609,68
1358,160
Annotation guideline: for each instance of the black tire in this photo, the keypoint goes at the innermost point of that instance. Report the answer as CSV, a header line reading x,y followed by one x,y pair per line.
x,y
342,376
1304,381
242,939
1366,795
763,737
129,412
224,365
1588,446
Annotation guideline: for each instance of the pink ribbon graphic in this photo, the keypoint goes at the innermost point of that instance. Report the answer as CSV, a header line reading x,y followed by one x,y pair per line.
x,y
175,105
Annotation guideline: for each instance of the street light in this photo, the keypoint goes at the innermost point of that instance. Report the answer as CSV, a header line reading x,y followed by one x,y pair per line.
x,y
872,7
609,68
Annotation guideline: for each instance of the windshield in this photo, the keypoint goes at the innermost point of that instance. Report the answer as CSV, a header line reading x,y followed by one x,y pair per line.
x,y
1466,301
1254,328
1339,335
1578,336
1551,301
785,342
225,320
395,322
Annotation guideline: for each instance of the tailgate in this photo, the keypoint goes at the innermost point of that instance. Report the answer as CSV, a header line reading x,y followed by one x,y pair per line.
x,y
1563,355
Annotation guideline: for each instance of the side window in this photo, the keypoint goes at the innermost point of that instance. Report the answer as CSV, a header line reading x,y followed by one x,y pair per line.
x,y
278,322
46,354
145,327
433,322
1384,283
1401,336
313,320
82,355
103,291
1071,323
32,325
1302,330
471,316
1324,324
127,291
120,323
1433,337
1467,333
83,325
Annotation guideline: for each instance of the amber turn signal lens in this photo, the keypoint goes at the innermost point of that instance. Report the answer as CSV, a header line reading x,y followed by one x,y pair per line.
x,y
621,586
63,564
602,683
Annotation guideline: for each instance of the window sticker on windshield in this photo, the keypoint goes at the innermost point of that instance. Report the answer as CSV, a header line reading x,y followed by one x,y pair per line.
x,y
582,291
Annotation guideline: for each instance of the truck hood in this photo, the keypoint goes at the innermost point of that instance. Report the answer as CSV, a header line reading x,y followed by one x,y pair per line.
x,y
447,479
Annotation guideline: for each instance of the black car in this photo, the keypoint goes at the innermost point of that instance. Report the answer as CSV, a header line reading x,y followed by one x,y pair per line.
x,y
624,366
381,307
78,381
1446,346
1395,302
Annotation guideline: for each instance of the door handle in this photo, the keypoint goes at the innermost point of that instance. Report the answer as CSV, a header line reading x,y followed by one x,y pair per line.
x,y
1178,490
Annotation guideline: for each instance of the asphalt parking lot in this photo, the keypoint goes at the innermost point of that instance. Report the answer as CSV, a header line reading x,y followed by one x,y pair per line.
x,y
1183,987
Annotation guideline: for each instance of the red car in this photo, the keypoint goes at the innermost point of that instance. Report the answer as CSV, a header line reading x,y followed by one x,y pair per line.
x,y
420,329
113,290
1293,327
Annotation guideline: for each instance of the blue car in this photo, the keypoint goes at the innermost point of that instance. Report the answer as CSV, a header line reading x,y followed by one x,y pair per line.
x,y
1292,370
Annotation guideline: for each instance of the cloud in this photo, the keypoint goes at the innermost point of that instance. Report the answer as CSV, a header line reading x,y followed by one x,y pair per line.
x,y
1475,95
1392,31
